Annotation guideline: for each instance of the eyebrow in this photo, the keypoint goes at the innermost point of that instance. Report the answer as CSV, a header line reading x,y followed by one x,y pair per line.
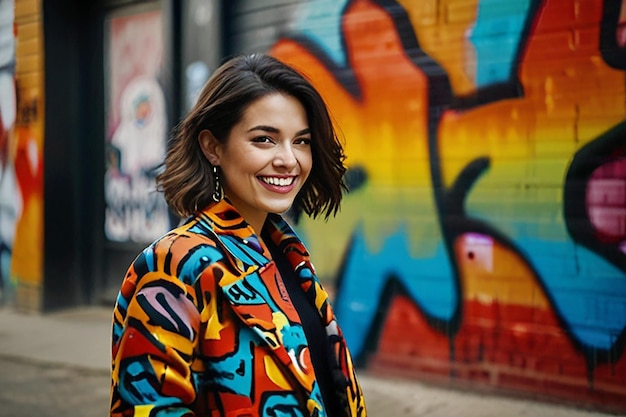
x,y
271,129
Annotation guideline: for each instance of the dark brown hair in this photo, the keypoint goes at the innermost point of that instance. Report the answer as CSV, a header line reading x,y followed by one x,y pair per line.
x,y
187,180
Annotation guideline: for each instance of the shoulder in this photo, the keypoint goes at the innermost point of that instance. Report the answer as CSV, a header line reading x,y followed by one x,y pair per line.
x,y
185,252
174,262
180,255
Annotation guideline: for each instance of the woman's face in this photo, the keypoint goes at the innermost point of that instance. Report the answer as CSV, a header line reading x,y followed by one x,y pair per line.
x,y
266,158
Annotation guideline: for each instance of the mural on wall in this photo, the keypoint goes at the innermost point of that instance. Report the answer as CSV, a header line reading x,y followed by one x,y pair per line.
x,y
21,164
136,129
10,199
27,260
484,237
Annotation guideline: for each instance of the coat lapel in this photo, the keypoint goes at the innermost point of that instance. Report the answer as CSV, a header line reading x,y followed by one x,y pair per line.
x,y
251,286
260,300
342,368
298,258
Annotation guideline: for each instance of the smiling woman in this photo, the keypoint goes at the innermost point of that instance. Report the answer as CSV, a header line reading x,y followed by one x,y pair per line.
x,y
224,315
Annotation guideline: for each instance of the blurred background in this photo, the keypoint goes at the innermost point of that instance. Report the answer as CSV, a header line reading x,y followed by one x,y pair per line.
x,y
482,242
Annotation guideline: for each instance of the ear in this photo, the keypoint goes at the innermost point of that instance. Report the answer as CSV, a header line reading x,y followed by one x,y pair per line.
x,y
210,146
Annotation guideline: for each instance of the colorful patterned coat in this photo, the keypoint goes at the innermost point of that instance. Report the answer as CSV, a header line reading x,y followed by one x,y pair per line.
x,y
203,327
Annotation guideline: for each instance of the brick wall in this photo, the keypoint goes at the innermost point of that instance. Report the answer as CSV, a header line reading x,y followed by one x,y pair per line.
x,y
483,240
27,262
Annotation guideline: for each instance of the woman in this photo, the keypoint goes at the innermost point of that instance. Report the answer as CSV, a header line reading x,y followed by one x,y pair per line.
x,y
224,315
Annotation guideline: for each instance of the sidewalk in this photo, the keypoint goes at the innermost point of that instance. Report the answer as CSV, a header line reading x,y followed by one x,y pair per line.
x,y
80,339
77,338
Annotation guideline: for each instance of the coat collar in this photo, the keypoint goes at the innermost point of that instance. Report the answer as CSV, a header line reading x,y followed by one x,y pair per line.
x,y
251,286
247,252
243,244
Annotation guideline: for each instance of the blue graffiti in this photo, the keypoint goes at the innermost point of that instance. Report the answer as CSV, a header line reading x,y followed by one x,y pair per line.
x,y
320,22
429,282
497,35
588,292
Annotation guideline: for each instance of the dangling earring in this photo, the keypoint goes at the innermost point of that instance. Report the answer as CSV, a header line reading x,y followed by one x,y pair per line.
x,y
218,193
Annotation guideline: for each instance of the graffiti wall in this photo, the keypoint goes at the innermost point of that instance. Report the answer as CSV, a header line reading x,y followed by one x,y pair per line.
x,y
483,239
21,150
136,128
9,197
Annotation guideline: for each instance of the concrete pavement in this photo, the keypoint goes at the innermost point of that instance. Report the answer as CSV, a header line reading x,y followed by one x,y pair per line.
x,y
78,340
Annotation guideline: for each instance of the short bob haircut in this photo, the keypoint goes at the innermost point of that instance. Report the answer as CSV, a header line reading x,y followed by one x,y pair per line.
x,y
187,179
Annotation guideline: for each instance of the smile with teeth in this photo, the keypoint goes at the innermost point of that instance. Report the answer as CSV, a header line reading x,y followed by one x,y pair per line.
x,y
276,181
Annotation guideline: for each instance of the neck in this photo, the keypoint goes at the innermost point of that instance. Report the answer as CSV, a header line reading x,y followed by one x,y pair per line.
x,y
255,218
257,224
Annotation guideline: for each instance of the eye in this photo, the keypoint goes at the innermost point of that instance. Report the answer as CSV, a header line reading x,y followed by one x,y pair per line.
x,y
302,141
262,139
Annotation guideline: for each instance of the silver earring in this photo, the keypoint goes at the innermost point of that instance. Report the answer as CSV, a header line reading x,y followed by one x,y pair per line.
x,y
218,193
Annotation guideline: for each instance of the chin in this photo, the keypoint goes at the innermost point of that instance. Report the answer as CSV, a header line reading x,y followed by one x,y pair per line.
x,y
279,208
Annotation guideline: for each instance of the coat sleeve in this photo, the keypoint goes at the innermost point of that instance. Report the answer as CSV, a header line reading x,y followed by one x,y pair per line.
x,y
155,331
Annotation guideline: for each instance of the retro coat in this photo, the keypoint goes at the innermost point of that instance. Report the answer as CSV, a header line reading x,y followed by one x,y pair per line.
x,y
203,327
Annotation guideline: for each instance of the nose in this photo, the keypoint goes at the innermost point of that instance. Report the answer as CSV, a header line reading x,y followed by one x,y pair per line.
x,y
285,156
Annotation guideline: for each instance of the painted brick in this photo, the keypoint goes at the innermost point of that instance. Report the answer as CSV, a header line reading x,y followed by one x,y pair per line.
x,y
567,99
27,10
548,366
459,12
609,220
607,192
574,368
